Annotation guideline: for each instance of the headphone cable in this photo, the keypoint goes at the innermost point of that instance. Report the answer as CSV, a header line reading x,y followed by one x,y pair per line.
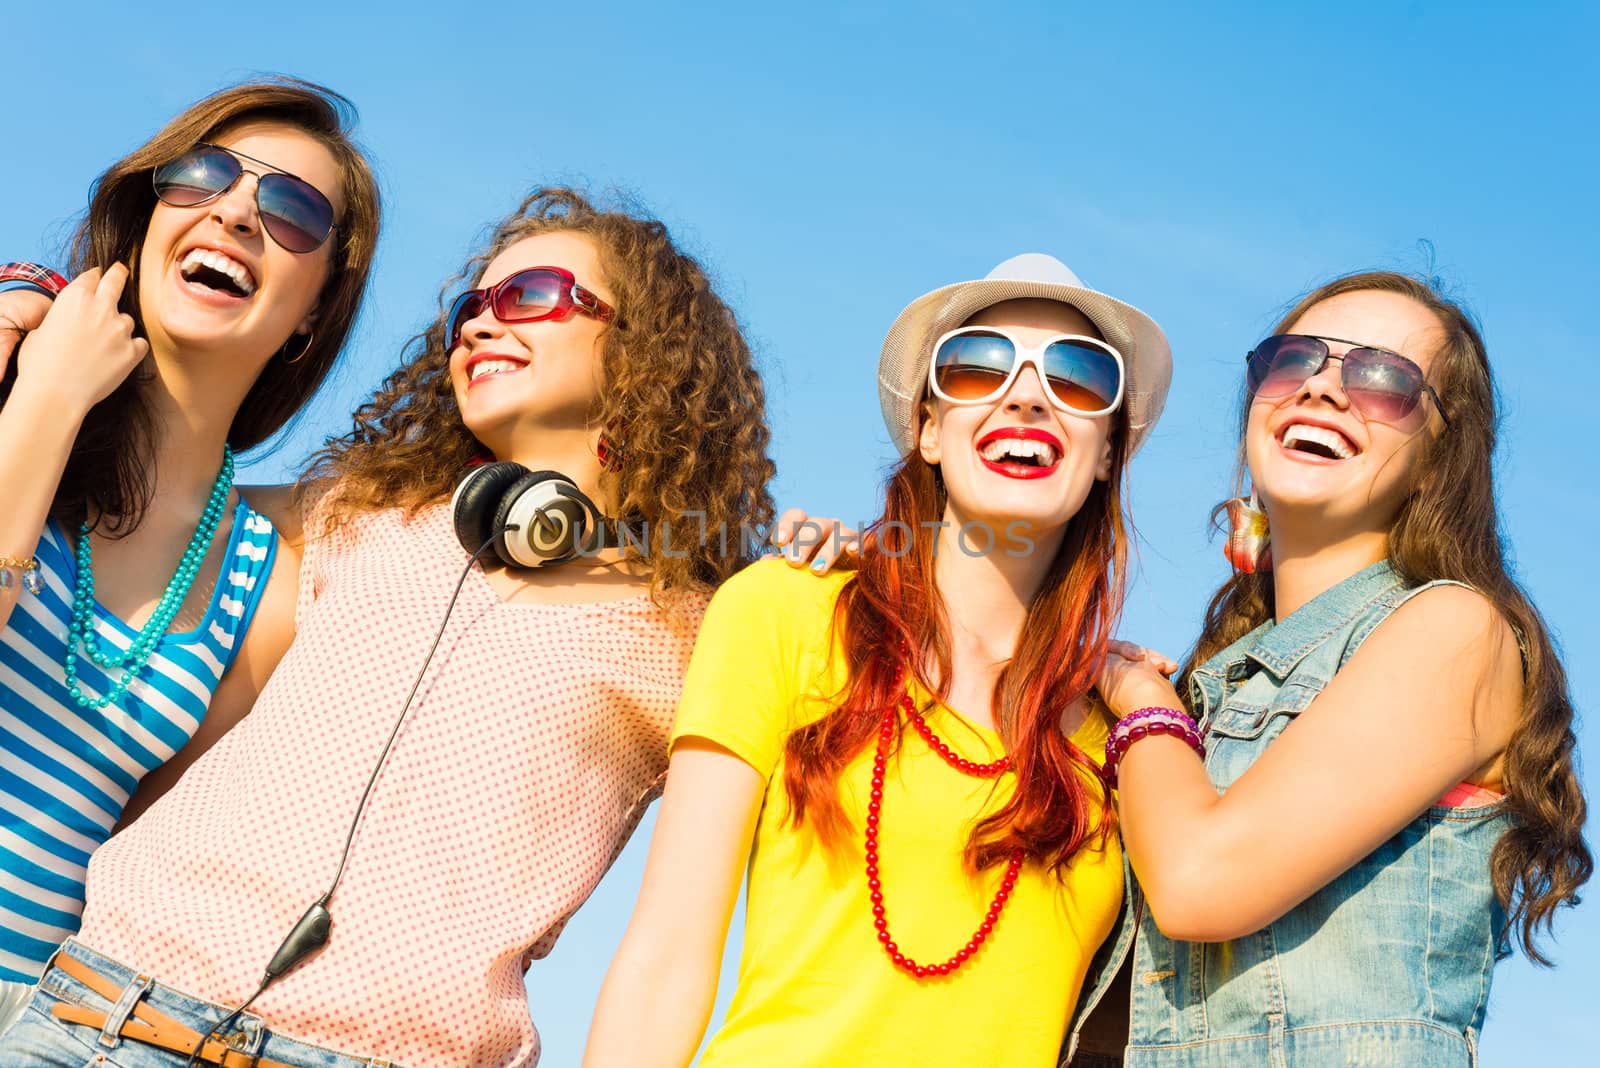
x,y
311,930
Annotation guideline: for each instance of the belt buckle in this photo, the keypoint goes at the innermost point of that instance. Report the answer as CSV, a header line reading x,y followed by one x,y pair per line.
x,y
234,1043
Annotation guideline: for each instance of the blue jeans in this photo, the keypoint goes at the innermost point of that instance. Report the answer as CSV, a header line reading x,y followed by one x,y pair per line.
x,y
13,999
40,1039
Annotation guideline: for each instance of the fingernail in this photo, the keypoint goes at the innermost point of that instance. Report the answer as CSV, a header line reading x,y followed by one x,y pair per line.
x,y
819,564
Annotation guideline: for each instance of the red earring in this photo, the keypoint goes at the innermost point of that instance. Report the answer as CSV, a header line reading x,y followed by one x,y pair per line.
x,y
1249,544
609,454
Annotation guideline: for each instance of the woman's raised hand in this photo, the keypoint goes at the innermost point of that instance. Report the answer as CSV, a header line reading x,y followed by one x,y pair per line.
x,y
1132,676
85,347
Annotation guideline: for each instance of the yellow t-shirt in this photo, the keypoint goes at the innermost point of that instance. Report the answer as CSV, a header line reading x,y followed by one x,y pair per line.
x,y
815,986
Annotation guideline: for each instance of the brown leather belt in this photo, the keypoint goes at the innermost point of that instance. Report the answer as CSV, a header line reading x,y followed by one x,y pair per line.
x,y
146,1024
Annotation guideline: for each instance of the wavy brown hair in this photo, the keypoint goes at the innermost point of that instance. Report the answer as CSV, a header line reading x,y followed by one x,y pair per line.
x,y
678,387
893,604
1449,528
109,474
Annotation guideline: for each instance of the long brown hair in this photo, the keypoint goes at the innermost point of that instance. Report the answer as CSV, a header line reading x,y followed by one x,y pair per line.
x,y
679,394
1449,528
894,605
109,474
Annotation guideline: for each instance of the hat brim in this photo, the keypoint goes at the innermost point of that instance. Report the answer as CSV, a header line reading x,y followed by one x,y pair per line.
x,y
903,364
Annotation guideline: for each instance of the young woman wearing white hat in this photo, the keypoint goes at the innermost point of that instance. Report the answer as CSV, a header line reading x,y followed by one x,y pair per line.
x,y
902,752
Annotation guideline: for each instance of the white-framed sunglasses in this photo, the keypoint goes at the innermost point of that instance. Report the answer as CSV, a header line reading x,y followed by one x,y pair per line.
x,y
977,364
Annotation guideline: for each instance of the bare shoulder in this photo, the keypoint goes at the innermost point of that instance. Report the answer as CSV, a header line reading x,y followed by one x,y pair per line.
x,y
1451,620
286,505
278,504
1455,643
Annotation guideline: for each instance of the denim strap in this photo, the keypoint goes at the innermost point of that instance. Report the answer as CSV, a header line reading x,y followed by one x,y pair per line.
x,y
122,1009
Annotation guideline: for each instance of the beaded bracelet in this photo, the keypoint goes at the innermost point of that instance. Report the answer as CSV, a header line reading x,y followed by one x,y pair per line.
x,y
1142,723
29,567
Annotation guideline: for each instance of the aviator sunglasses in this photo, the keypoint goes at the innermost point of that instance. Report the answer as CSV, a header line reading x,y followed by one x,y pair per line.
x,y
529,296
977,364
1383,386
293,212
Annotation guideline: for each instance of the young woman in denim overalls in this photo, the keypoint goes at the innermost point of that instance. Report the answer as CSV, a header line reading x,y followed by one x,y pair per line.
x,y
1386,798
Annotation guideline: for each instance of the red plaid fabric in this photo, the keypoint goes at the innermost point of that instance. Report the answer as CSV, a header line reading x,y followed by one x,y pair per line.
x,y
33,276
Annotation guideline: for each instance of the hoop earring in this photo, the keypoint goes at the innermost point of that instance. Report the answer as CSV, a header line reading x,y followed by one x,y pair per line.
x,y
303,348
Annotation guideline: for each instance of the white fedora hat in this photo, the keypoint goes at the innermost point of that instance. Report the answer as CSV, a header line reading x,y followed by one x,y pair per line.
x,y
903,366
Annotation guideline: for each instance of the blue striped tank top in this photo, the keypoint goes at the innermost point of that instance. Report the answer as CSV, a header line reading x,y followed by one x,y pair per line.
x,y
65,771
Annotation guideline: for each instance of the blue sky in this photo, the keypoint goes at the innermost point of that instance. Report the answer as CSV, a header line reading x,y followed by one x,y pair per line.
x,y
1205,162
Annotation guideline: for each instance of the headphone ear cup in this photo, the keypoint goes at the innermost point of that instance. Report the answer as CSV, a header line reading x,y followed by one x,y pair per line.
x,y
550,524
477,501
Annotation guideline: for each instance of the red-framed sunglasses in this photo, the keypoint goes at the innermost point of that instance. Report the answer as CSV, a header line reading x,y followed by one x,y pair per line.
x,y
529,296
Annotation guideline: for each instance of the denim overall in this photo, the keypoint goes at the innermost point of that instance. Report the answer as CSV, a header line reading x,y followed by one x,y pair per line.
x,y
1389,964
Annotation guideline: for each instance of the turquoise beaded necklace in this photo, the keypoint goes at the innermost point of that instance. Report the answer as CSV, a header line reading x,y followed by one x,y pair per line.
x,y
132,663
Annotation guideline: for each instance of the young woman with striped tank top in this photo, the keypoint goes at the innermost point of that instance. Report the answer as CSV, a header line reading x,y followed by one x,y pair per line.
x,y
143,600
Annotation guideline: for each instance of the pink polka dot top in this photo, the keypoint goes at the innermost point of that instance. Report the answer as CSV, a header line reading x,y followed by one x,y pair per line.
x,y
536,739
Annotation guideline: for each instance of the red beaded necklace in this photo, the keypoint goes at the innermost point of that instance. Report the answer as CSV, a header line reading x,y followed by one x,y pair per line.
x,y
874,813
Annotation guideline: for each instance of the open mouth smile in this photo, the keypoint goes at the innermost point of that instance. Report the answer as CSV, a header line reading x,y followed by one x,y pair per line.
x,y
1310,441
491,365
1020,452
218,273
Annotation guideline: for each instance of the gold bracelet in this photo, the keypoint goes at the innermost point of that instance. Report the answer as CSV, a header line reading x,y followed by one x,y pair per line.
x,y
28,565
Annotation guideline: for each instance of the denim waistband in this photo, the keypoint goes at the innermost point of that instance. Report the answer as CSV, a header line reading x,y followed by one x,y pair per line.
x,y
246,1032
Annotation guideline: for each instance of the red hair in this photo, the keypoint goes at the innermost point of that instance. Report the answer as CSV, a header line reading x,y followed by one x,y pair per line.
x,y
1061,799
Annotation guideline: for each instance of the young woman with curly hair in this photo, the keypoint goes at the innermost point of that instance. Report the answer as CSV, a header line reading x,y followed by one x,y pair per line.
x,y
902,752
143,599
450,842
1386,798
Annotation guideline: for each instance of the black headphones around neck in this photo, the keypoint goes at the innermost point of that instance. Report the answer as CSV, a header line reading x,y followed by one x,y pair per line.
x,y
545,518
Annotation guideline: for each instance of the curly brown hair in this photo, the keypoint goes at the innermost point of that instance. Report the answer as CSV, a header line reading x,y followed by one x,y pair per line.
x,y
1449,528
678,387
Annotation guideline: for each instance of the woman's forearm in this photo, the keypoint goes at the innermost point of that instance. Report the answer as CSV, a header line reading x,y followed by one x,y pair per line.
x,y
36,437
658,993
653,1009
